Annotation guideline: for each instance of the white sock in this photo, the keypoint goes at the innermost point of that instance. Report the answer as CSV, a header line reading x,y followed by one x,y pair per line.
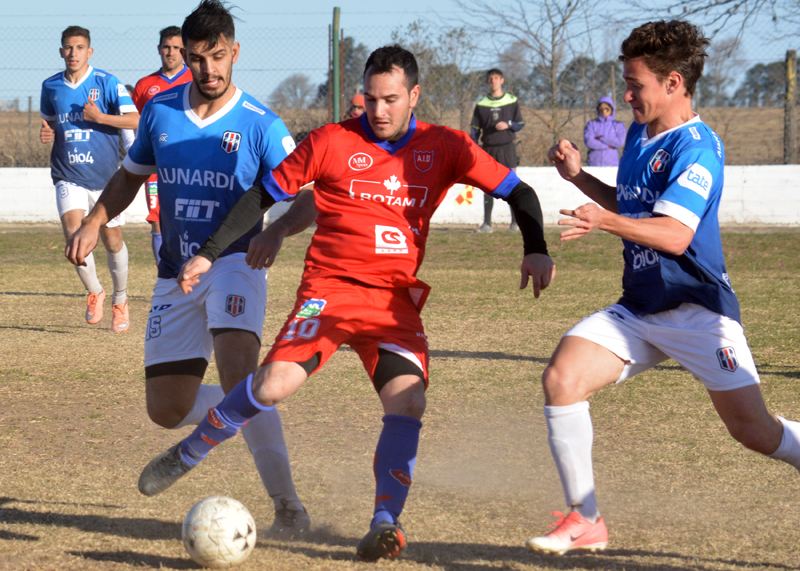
x,y
208,396
570,436
264,436
789,448
118,266
88,275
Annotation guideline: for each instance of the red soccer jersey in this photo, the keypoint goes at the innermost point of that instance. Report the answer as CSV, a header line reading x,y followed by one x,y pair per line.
x,y
147,87
375,199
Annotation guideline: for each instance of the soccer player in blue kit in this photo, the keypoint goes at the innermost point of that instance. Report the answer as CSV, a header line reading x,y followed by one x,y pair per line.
x,y
209,142
677,301
82,111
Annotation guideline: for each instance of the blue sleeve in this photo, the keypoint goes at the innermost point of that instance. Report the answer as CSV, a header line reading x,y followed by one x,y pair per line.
x,y
46,109
119,100
279,144
694,176
506,185
141,152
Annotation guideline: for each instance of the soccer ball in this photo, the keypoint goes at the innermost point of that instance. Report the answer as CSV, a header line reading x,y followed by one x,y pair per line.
x,y
219,532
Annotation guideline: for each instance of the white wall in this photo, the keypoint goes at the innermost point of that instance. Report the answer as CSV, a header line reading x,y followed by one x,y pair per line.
x,y
753,195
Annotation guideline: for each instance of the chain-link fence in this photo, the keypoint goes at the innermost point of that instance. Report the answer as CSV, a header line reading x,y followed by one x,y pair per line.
x,y
741,94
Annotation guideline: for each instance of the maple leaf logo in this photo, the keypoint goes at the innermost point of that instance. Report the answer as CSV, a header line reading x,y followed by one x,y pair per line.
x,y
392,184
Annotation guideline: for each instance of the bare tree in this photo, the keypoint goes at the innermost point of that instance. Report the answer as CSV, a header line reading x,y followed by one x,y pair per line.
x,y
552,32
294,92
723,64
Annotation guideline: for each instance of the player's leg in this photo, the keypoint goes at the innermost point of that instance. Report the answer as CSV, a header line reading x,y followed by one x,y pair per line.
x,y
73,205
237,356
488,204
604,348
117,258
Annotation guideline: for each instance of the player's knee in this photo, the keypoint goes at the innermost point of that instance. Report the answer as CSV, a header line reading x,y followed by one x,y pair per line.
x,y
559,386
274,382
764,439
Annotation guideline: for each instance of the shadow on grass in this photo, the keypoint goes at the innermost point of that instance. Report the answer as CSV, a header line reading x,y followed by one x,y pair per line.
x,y
135,528
80,295
138,559
489,355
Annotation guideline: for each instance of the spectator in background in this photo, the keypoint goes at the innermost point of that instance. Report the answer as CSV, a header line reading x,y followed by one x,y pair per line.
x,y
604,136
495,121
357,107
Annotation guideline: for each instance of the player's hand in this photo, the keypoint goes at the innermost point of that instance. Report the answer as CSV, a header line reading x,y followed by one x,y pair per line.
x,y
81,244
501,126
567,159
91,112
582,220
46,134
190,272
264,247
540,269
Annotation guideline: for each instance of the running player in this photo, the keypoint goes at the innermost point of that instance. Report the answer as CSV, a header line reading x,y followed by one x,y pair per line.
x,y
173,72
677,301
377,181
209,142
83,110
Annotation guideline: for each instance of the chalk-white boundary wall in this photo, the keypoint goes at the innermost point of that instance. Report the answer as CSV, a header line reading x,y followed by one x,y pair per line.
x,y
767,194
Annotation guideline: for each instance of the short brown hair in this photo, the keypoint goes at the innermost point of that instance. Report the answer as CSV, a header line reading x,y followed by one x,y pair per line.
x,y
669,46
76,32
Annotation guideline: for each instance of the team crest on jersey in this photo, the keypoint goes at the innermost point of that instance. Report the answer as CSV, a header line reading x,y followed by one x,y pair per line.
x,y
727,359
234,304
659,160
94,94
423,160
153,90
230,141
311,308
360,161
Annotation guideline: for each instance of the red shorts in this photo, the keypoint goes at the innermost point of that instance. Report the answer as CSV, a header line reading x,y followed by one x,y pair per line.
x,y
331,311
153,210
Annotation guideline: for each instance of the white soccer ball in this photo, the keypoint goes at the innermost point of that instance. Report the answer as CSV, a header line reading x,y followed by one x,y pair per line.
x,y
219,532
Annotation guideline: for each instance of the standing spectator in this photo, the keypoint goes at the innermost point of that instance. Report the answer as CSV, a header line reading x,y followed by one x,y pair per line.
x,y
83,110
495,121
173,72
356,106
604,136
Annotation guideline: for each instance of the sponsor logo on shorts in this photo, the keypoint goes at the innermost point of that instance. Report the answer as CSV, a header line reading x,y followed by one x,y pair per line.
x,y
213,418
360,161
311,308
234,304
401,477
153,90
94,94
230,141
390,240
152,188
659,160
423,160
727,359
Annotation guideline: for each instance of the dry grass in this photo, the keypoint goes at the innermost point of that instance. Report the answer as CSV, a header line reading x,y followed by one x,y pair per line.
x,y
677,492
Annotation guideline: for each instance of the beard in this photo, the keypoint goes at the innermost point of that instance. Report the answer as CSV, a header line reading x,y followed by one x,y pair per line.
x,y
211,96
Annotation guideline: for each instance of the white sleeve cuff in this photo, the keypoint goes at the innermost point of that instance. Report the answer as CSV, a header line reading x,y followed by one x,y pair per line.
x,y
136,168
679,213
127,109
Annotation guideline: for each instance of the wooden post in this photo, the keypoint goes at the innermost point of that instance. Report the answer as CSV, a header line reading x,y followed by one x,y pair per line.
x,y
337,69
789,111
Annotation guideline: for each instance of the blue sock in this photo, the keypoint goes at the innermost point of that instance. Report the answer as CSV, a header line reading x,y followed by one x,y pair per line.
x,y
156,242
395,456
222,422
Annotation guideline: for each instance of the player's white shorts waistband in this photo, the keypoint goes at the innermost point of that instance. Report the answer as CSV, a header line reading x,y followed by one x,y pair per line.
x,y
70,196
710,346
229,296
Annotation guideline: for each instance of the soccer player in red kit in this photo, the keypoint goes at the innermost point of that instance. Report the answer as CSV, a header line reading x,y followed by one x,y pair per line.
x,y
377,181
173,72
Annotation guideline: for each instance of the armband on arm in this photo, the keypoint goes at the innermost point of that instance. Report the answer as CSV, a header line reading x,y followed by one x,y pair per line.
x,y
245,214
528,213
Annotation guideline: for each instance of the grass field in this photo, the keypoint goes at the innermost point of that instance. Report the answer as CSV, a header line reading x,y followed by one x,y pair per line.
x,y
676,491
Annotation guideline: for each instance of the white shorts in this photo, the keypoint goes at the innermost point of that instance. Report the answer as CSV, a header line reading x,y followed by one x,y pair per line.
x,y
710,346
73,197
229,296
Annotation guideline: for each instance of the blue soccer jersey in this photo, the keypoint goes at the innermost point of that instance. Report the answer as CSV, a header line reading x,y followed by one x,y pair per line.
x,y
678,173
84,153
204,166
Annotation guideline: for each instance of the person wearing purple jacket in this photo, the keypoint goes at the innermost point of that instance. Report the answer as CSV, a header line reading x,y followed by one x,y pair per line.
x,y
604,136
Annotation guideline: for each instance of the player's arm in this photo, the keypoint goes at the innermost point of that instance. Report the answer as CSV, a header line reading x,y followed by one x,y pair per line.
x,y
264,248
567,160
47,131
91,112
118,194
662,233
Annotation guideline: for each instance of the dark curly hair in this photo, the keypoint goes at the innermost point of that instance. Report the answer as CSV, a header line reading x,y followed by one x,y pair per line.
x,y
384,59
669,46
